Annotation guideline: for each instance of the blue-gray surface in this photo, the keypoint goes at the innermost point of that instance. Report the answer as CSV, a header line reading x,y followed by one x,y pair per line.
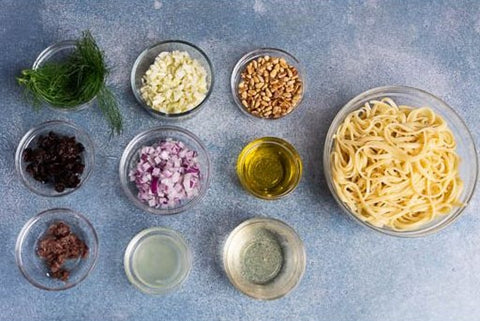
x,y
347,47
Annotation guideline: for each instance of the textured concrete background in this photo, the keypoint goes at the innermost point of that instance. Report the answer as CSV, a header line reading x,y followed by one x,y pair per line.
x,y
347,47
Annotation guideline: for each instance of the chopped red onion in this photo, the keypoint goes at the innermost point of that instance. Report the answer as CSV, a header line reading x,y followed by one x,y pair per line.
x,y
166,174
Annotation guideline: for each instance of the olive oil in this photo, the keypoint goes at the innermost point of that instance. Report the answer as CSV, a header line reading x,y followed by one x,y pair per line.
x,y
269,167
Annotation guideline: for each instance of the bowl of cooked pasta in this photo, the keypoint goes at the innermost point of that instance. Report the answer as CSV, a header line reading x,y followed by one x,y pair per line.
x,y
400,161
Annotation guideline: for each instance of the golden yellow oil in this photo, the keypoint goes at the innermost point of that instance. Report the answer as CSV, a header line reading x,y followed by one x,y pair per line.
x,y
269,167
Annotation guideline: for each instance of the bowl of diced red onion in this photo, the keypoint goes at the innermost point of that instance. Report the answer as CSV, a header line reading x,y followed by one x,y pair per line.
x,y
165,170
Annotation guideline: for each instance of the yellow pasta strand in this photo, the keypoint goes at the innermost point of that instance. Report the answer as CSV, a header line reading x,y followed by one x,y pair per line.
x,y
396,166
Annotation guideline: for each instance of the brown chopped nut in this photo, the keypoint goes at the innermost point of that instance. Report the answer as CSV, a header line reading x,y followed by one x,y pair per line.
x,y
58,245
270,87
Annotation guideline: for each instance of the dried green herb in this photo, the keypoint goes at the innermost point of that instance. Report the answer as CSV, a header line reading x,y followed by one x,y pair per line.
x,y
74,81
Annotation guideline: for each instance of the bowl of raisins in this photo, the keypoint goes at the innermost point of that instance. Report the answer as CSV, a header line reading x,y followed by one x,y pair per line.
x,y
55,158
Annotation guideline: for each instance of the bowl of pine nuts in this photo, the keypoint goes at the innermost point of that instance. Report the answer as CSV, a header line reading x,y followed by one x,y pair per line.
x,y
268,83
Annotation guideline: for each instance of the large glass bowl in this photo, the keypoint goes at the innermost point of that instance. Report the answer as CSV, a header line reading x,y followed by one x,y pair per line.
x,y
147,58
153,136
34,268
415,98
60,127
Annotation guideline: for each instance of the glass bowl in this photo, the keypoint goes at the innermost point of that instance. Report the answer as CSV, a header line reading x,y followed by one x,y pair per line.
x,y
56,53
146,264
29,140
34,268
414,97
153,136
147,58
288,158
257,53
264,258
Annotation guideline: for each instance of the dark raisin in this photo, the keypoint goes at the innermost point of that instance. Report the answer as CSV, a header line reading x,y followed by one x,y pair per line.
x,y
56,159
27,155
59,187
80,147
79,168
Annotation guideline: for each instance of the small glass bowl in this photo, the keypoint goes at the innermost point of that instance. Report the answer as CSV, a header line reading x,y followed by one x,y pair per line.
x,y
153,136
138,249
58,52
257,53
29,140
284,276
295,162
147,58
34,268
415,98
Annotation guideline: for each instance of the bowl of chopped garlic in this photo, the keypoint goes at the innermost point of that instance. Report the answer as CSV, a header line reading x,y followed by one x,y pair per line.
x,y
172,79
400,161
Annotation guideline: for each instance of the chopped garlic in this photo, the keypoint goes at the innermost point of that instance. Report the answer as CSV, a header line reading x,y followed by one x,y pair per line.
x,y
174,83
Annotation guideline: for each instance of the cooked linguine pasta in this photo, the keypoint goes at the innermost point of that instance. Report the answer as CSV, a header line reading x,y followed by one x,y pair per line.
x,y
396,166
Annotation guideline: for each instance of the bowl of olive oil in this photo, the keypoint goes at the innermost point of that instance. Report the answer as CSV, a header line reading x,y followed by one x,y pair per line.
x,y
269,168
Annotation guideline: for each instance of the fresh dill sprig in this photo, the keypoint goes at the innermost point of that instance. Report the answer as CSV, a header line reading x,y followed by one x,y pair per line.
x,y
76,80
107,104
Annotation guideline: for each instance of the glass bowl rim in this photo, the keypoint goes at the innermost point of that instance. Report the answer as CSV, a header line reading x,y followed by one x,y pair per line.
x,y
241,64
156,113
26,229
137,239
124,167
279,223
340,116
32,133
